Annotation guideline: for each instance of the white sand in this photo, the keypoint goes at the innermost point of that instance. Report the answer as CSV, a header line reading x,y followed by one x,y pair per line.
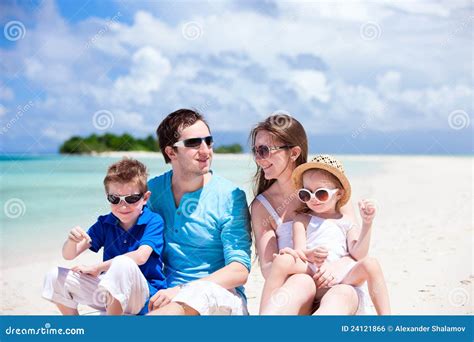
x,y
423,237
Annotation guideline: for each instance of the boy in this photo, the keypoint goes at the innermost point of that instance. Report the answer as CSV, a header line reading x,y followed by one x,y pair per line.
x,y
132,238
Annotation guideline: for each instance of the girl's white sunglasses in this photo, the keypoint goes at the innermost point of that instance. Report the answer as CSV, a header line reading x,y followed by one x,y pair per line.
x,y
322,195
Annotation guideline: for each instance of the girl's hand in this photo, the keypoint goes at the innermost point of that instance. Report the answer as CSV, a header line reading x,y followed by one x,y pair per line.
x,y
77,234
367,210
317,255
92,270
324,276
295,253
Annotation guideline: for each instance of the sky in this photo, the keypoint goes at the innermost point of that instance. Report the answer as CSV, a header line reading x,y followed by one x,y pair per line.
x,y
381,77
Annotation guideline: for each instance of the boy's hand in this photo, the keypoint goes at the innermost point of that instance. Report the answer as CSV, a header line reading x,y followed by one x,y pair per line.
x,y
162,298
77,234
367,209
317,255
91,270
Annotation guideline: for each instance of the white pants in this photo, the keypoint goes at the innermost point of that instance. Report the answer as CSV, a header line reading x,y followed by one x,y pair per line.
x,y
365,307
209,298
124,281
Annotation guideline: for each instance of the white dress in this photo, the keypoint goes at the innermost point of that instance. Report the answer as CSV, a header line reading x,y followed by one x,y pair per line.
x,y
330,233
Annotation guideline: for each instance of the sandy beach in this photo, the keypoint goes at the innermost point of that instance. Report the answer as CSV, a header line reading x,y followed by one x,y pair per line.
x,y
423,238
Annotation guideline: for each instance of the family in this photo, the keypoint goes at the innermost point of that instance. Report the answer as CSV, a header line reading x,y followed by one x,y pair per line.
x,y
180,243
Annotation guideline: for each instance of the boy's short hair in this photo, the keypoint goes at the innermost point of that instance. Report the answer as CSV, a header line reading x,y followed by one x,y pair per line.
x,y
168,132
127,170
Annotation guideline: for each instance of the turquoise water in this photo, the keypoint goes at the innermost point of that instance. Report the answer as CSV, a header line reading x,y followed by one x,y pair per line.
x,y
43,197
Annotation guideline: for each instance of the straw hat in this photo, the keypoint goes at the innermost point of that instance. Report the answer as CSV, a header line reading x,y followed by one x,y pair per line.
x,y
329,164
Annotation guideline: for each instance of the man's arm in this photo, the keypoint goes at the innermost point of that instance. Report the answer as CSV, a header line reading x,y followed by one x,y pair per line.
x,y
236,243
230,276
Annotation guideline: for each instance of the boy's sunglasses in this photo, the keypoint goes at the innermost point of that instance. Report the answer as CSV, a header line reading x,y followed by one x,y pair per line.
x,y
322,194
195,142
263,151
129,199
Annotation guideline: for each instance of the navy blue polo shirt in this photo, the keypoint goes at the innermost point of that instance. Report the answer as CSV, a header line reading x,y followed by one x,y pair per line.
x,y
148,230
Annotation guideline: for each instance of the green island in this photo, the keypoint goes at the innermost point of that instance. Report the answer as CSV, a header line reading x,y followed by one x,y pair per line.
x,y
234,148
109,142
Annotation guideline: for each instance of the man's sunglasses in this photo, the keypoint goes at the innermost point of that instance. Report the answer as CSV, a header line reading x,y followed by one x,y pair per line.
x,y
129,199
322,194
263,151
195,142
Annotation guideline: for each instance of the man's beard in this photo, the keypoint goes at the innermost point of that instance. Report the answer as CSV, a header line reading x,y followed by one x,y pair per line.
x,y
194,171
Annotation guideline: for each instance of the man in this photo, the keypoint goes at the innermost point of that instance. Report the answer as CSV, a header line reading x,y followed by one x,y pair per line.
x,y
207,230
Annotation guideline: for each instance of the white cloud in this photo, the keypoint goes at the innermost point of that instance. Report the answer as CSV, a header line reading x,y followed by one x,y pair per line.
x,y
311,85
389,83
148,71
3,110
6,93
140,71
55,134
422,7
131,122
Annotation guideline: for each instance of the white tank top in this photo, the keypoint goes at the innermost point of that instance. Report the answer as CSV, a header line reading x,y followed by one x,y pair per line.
x,y
320,232
329,233
284,230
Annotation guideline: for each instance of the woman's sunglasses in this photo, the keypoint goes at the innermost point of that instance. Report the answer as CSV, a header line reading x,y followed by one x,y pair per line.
x,y
322,194
129,199
195,142
263,151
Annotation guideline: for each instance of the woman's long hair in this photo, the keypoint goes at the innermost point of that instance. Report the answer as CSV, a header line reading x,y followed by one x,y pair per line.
x,y
287,130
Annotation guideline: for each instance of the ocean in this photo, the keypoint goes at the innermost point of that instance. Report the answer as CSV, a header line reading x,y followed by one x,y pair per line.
x,y
43,197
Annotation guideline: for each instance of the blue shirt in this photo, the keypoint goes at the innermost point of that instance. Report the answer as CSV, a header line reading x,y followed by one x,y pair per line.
x,y
208,230
148,230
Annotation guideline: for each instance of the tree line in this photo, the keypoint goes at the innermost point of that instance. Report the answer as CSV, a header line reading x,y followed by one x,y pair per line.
x,y
109,142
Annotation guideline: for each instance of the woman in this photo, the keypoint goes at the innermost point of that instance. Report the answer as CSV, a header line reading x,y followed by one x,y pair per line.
x,y
279,144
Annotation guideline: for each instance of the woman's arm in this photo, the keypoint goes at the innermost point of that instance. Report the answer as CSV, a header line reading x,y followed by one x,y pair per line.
x,y
265,237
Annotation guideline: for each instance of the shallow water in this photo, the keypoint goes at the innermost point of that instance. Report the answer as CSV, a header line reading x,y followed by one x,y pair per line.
x,y
43,197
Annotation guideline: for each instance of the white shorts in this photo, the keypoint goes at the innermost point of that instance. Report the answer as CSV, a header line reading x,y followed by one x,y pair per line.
x,y
365,306
124,281
209,298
